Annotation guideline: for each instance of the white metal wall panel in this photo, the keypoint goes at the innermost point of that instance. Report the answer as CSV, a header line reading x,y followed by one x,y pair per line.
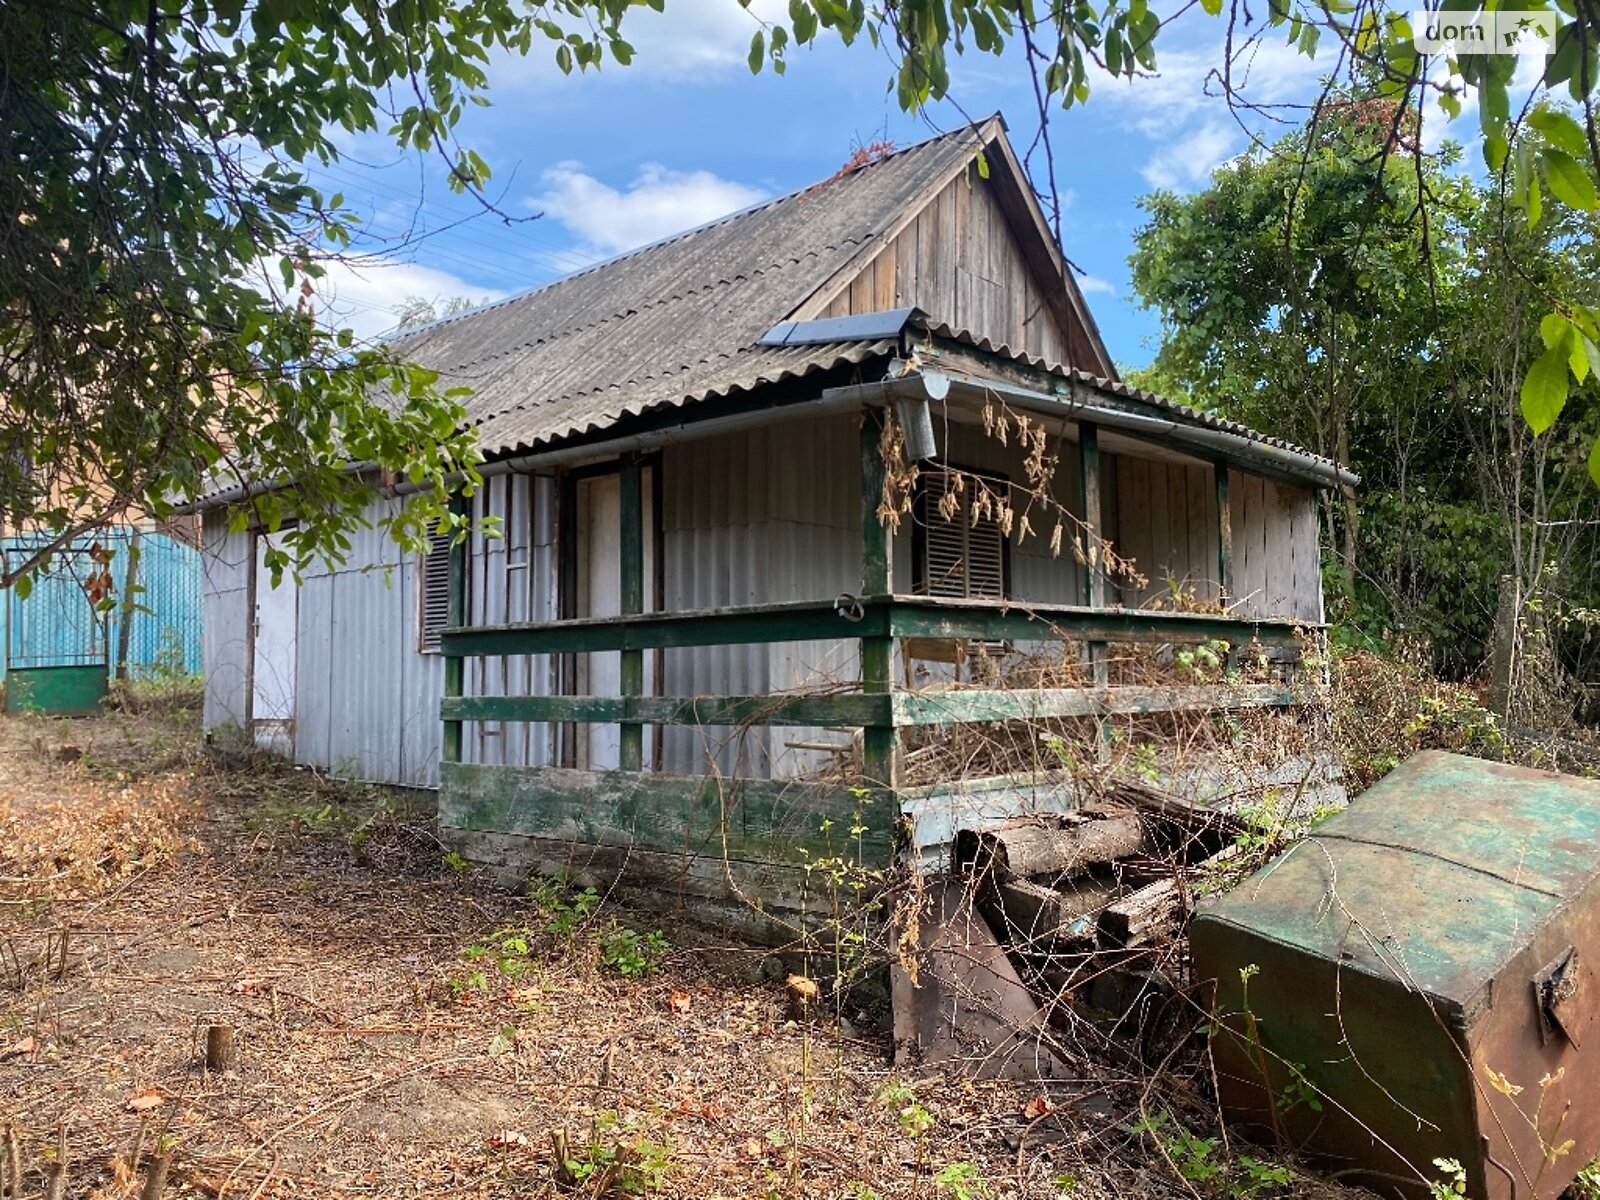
x,y
225,621
510,577
757,518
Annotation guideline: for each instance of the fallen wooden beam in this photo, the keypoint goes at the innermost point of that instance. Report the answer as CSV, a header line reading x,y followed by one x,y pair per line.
x,y
1035,918
1136,917
1059,849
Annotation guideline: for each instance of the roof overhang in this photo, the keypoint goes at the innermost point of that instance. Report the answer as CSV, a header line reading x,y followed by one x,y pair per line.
x,y
1082,402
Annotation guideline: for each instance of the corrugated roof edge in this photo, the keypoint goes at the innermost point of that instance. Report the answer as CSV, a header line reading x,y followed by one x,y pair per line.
x,y
1122,390
406,334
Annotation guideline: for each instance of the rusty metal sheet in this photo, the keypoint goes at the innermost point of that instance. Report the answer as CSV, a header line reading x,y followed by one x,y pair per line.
x,y
1425,961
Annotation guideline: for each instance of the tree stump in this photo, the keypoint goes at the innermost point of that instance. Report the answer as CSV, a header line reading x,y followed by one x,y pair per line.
x,y
221,1054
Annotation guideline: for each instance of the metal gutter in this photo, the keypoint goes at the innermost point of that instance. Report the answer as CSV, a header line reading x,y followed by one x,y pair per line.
x,y
936,385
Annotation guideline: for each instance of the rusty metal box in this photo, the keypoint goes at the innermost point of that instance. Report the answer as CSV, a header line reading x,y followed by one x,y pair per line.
x,y
1415,981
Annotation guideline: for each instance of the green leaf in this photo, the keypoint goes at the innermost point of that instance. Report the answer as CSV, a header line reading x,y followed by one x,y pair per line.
x,y
1544,391
1533,204
1214,7
23,586
1554,329
1567,179
758,51
1594,462
983,165
1560,130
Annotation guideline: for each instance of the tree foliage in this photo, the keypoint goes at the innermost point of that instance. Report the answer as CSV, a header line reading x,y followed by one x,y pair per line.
x,y
1325,290
160,247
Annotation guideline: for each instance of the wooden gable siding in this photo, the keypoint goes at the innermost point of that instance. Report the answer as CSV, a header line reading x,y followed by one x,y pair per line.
x,y
961,262
1277,556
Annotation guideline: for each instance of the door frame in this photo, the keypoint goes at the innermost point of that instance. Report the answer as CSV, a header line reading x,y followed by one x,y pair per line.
x,y
567,484
257,533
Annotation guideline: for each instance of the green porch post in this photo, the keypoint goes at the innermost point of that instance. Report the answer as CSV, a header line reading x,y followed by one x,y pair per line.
x,y
879,759
631,753
1219,472
455,618
1094,577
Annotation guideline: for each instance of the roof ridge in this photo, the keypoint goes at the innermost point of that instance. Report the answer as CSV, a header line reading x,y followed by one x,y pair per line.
x,y
794,194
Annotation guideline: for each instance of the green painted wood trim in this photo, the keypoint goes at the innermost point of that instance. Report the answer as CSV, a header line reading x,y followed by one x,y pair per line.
x,y
740,820
922,617
1089,509
455,617
806,620
966,706
846,708
1219,472
877,578
630,752
880,744
882,617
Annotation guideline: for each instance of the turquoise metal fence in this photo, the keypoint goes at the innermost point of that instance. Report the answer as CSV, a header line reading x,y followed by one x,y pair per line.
x,y
57,625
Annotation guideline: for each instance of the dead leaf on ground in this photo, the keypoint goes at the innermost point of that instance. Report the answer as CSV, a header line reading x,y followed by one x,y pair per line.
x,y
28,1045
146,1100
509,1139
803,989
1036,1108
678,1003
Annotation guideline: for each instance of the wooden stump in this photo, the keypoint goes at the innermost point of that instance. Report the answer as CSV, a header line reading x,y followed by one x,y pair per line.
x,y
221,1054
155,1180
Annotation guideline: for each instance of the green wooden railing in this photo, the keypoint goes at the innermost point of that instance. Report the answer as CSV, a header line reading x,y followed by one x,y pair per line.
x,y
876,619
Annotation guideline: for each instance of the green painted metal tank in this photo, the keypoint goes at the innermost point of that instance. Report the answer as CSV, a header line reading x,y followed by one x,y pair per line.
x,y
1415,981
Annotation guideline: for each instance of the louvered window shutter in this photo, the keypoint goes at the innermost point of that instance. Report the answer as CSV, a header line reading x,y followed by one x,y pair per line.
x,y
956,557
435,610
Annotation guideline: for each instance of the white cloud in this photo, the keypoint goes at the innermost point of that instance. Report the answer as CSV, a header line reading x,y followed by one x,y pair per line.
x,y
657,203
691,41
1089,284
1189,82
365,298
1188,162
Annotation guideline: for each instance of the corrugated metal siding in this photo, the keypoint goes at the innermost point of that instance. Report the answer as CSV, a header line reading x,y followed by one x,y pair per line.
x,y
511,577
366,701
57,625
757,518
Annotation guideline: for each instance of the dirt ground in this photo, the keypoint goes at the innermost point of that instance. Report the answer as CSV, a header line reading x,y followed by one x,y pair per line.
x,y
405,1028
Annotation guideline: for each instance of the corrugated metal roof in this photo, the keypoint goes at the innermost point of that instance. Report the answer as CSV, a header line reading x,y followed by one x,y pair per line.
x,y
678,321
1116,388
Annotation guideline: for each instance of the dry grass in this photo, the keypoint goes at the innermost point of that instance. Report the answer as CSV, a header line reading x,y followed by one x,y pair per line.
x,y
395,1038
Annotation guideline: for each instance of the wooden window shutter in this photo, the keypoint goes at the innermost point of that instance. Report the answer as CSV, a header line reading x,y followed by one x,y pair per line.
x,y
435,608
957,557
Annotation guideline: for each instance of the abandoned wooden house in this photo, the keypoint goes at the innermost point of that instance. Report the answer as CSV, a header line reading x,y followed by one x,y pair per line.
x,y
690,649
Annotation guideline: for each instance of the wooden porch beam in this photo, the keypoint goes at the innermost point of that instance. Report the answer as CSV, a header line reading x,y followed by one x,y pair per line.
x,y
880,757
631,749
881,617
868,710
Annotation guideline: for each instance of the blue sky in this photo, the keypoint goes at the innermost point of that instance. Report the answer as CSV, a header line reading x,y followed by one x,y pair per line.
x,y
685,134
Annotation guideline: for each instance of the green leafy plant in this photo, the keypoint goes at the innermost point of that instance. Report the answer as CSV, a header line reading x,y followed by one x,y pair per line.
x,y
1454,1184
629,952
619,1159
962,1180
